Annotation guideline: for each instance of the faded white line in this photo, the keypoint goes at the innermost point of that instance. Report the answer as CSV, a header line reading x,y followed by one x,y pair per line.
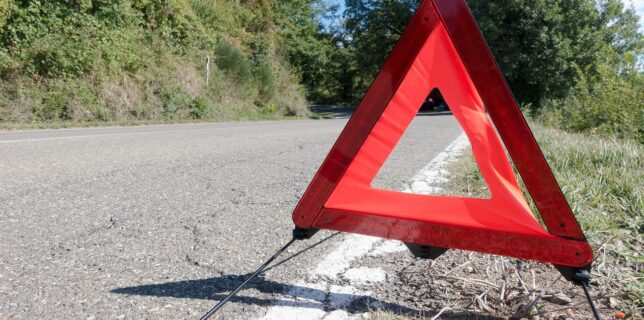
x,y
136,130
148,126
426,181
321,298
74,137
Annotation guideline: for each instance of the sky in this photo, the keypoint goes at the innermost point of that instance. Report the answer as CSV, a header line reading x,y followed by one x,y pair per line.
x,y
639,6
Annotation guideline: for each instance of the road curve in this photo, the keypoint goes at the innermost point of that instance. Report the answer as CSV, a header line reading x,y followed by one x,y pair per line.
x,y
161,221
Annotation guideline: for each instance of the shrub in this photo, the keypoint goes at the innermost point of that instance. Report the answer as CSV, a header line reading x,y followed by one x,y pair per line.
x,y
115,60
608,103
173,100
234,61
5,7
54,105
271,107
266,79
201,108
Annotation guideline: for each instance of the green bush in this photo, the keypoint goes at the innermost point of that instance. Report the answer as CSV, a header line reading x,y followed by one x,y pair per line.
x,y
234,61
5,6
266,79
201,108
608,103
53,106
173,100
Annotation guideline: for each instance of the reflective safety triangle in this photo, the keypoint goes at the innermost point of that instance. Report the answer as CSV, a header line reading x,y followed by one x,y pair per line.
x,y
442,48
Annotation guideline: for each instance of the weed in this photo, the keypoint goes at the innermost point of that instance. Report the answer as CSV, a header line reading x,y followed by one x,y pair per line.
x,y
201,109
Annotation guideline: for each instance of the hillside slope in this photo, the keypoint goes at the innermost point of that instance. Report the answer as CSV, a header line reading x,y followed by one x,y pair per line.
x,y
116,60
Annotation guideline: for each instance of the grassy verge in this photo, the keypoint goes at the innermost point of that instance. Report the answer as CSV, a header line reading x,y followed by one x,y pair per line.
x,y
602,178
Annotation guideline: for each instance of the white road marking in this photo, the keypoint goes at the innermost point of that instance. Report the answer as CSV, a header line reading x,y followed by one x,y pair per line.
x,y
355,246
426,180
365,275
70,137
321,299
134,130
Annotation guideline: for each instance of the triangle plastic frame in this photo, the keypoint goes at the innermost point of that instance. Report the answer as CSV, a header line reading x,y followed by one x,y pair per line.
x,y
443,47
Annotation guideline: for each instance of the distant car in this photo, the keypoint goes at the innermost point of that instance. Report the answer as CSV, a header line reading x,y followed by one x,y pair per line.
x,y
434,102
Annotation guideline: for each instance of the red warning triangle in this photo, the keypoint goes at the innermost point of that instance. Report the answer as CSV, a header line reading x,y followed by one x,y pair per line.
x,y
443,48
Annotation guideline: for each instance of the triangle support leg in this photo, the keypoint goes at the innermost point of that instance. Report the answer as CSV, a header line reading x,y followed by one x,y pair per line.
x,y
425,252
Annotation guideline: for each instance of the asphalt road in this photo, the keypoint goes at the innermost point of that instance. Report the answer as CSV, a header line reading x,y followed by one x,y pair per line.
x,y
159,222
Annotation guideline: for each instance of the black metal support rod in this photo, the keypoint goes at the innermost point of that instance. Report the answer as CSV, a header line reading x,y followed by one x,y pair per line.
x,y
234,292
590,301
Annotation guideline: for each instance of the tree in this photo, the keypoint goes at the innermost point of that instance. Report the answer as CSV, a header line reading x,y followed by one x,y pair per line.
x,y
540,44
307,45
372,28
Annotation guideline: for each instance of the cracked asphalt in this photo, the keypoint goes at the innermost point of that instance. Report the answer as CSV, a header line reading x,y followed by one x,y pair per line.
x,y
160,222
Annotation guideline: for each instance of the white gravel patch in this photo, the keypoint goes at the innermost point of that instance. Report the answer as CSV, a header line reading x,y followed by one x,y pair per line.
x,y
387,247
355,246
365,275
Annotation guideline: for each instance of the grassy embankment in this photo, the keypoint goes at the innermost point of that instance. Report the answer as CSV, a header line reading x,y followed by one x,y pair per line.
x,y
84,63
602,178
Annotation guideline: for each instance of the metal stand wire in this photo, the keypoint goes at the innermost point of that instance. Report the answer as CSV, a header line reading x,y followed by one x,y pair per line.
x,y
590,301
582,276
221,303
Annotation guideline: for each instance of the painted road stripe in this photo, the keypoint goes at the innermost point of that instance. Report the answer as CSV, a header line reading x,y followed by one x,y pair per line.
x,y
320,298
132,130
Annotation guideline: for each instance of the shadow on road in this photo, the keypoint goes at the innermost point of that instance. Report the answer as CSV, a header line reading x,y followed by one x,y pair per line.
x,y
433,113
218,287
306,297
333,112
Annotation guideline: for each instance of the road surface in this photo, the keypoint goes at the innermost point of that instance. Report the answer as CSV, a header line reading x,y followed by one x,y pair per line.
x,y
160,222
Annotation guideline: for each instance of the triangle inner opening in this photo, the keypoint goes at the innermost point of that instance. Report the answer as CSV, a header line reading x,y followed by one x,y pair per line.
x,y
429,154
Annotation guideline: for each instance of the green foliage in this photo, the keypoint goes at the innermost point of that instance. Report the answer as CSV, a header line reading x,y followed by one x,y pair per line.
x,y
233,60
143,59
265,78
374,28
308,47
201,109
577,58
5,6
607,104
174,99
54,106
540,44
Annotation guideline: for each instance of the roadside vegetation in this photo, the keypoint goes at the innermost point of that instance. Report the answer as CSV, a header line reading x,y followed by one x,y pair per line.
x,y
80,62
574,64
